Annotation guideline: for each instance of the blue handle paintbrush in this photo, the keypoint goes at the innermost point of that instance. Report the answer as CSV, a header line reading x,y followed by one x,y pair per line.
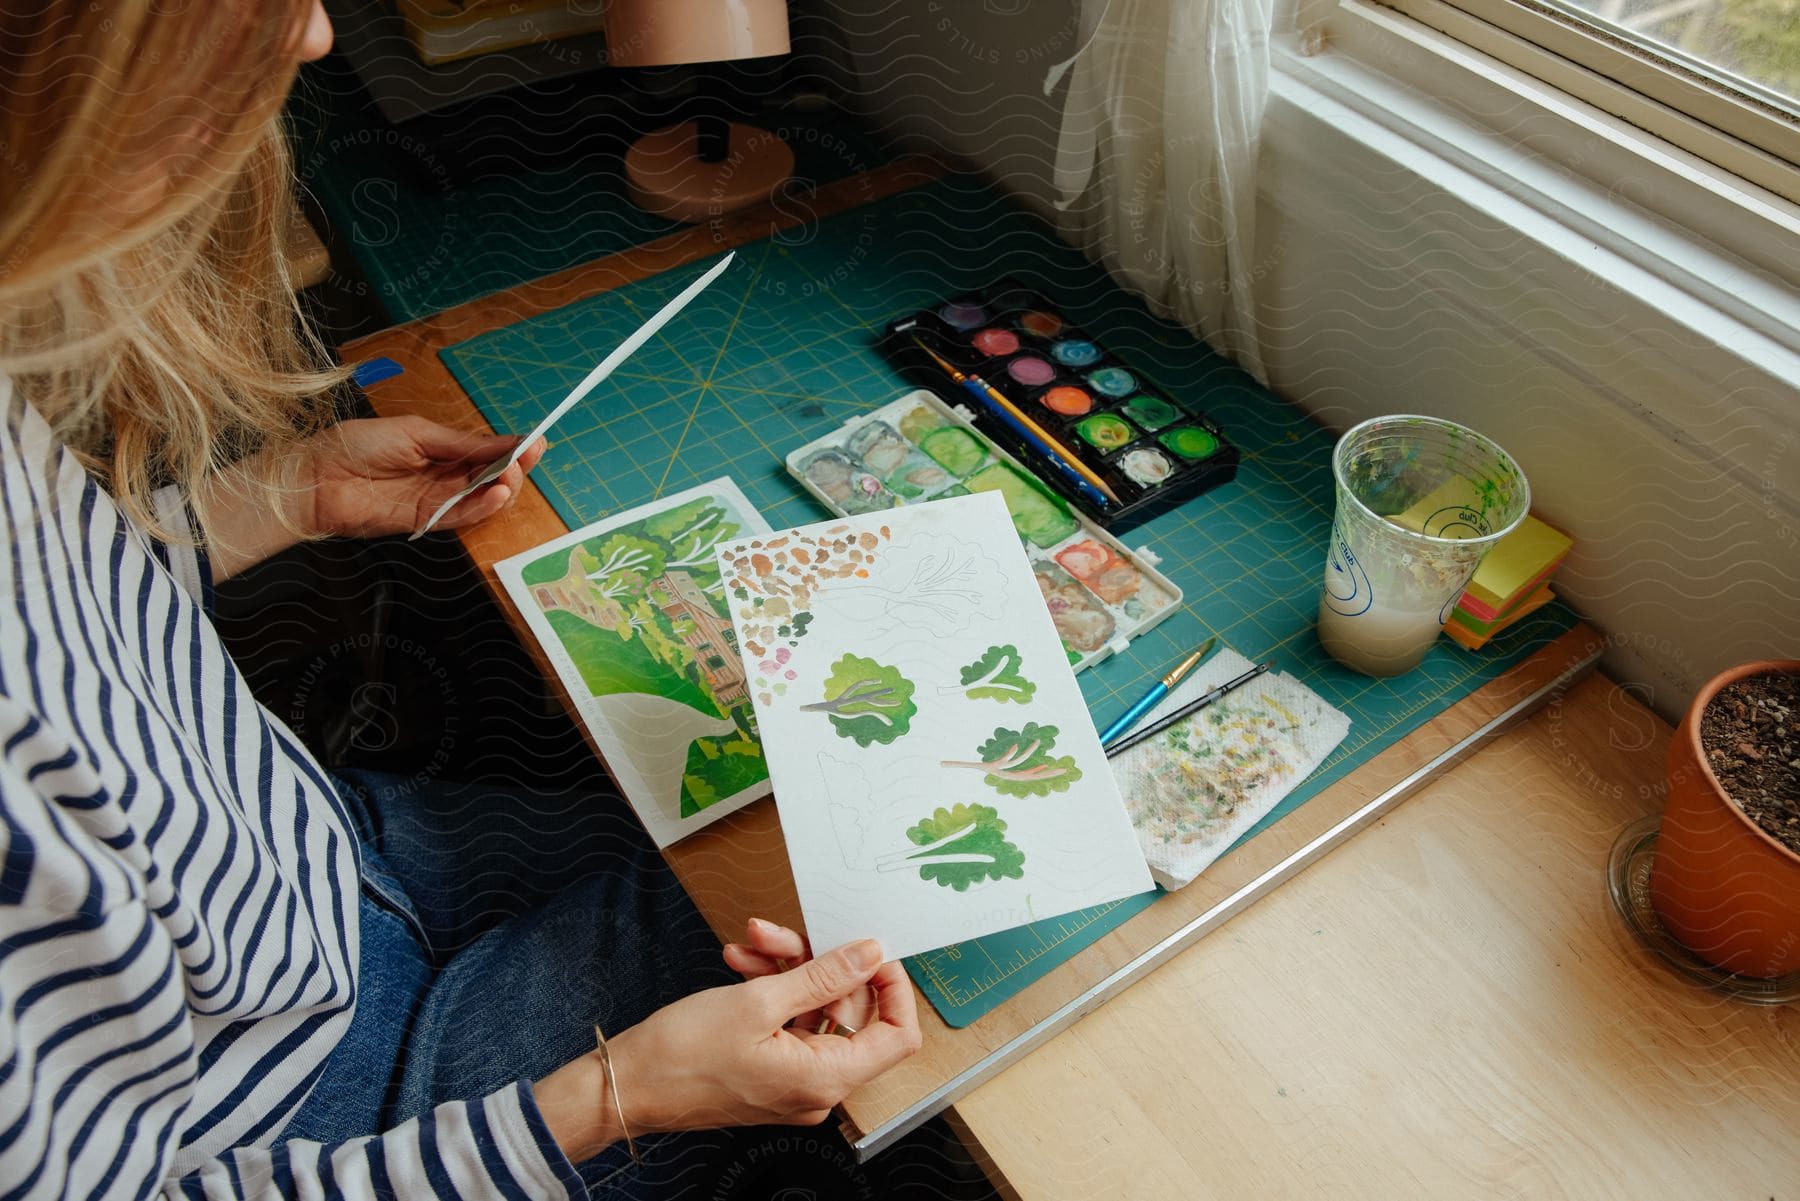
x,y
1125,742
1158,690
1056,456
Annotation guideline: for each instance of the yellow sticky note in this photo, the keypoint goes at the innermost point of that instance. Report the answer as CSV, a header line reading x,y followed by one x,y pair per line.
x,y
1444,513
1517,561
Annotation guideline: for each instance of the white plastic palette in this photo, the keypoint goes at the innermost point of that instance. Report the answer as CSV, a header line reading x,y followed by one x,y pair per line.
x,y
1101,594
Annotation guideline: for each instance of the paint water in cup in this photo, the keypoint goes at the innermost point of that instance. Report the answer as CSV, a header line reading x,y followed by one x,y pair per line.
x,y
1420,501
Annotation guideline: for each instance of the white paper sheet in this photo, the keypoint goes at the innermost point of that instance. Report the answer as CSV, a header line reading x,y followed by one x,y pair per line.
x,y
644,650
589,382
937,772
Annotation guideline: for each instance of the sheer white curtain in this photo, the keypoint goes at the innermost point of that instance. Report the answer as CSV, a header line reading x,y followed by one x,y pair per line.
x,y
1156,161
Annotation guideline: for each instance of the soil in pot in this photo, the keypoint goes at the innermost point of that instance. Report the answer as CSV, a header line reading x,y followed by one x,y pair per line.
x,y
1751,736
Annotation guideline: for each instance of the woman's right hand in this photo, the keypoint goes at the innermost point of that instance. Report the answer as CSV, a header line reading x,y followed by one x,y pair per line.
x,y
727,1056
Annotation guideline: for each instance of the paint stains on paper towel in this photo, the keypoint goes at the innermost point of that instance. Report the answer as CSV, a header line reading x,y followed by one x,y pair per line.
x,y
1189,784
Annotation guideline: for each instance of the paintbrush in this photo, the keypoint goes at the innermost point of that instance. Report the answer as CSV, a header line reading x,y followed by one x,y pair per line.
x,y
1084,479
1182,714
1158,690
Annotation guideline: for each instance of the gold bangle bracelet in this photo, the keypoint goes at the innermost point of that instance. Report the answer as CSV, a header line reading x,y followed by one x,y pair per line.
x,y
612,1088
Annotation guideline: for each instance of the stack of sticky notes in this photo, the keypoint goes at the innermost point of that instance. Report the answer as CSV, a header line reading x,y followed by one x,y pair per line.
x,y
1512,581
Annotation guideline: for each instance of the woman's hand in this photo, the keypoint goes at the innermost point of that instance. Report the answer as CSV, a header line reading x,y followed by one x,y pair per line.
x,y
728,1056
358,479
768,949
387,475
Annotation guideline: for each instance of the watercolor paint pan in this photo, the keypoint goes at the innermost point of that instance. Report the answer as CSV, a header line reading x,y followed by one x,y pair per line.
x,y
1154,450
916,449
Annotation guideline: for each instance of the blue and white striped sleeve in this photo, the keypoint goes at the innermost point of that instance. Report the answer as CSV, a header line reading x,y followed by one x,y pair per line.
x,y
98,1055
187,560
497,1147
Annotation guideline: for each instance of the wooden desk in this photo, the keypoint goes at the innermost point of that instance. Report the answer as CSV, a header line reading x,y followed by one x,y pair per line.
x,y
737,867
1446,1008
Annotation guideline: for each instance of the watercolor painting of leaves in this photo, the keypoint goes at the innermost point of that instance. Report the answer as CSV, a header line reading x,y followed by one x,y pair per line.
x,y
1019,762
995,676
866,701
958,847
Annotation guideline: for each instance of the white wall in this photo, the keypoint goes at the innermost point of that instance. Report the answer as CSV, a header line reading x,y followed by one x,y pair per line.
x,y
1393,288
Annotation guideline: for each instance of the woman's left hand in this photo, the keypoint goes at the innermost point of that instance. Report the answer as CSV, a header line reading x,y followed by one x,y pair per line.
x,y
768,949
387,475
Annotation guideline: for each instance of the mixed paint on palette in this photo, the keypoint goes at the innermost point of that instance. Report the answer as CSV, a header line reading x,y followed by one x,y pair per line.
x,y
633,614
1099,593
889,660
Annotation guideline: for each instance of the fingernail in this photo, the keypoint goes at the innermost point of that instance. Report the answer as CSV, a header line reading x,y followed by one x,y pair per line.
x,y
865,955
756,923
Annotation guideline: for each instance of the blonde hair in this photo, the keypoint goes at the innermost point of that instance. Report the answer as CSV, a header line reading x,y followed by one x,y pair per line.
x,y
145,191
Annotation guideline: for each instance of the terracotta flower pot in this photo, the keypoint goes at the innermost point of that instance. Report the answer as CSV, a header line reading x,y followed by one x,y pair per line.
x,y
1722,885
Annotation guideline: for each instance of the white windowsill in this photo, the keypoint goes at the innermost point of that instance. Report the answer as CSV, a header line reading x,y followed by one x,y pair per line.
x,y
1717,255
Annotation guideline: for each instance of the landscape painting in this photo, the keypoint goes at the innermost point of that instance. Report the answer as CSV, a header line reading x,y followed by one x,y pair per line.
x,y
632,613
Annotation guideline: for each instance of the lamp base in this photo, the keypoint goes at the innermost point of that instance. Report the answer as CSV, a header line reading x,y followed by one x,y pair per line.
x,y
665,174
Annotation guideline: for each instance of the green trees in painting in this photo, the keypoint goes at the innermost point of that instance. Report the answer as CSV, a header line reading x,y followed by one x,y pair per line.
x,y
866,701
625,564
607,584
640,609
1019,762
958,847
689,536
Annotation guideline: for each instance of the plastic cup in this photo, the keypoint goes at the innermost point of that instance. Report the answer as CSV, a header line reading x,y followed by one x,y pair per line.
x,y
1420,501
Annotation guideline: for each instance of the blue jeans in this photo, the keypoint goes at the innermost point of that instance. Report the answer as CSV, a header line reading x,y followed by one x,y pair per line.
x,y
498,927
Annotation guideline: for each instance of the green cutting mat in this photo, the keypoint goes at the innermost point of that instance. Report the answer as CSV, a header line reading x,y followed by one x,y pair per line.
x,y
780,350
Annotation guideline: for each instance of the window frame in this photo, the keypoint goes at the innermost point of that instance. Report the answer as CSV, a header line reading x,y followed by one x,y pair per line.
x,y
1729,128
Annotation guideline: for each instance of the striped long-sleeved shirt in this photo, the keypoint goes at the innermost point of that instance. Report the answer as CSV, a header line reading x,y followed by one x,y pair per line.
x,y
178,892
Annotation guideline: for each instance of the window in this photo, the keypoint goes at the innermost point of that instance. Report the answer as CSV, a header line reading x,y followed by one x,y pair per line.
x,y
1717,78
714,662
1751,47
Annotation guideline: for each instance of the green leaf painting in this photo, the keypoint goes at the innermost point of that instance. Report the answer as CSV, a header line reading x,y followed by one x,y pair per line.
x,y
866,701
995,676
957,847
1020,763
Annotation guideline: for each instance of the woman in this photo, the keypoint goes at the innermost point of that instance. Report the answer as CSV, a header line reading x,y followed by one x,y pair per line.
x,y
223,973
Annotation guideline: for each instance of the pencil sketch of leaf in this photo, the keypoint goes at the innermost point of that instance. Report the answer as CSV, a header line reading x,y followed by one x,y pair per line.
x,y
855,807
941,585
866,701
1019,763
958,847
994,677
